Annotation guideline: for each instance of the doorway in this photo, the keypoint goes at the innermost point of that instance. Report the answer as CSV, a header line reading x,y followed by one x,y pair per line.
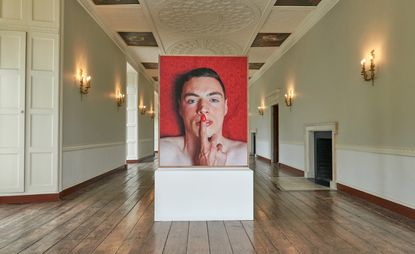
x,y
253,143
275,134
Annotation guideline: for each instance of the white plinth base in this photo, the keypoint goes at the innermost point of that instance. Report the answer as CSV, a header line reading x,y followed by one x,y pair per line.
x,y
204,194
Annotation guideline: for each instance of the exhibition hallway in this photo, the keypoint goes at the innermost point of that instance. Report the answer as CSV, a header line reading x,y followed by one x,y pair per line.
x,y
115,215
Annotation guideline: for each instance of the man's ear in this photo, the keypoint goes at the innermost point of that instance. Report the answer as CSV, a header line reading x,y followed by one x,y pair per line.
x,y
226,106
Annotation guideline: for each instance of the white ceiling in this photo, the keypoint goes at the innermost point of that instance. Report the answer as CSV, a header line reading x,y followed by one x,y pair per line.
x,y
205,27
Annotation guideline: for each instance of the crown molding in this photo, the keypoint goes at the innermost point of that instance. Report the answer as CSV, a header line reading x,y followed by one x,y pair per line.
x,y
87,5
322,9
155,31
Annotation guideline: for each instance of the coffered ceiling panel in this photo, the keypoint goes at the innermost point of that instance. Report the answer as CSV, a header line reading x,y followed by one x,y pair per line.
x,y
297,2
153,72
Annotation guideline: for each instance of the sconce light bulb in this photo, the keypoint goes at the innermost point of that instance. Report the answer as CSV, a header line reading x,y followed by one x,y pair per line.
x,y
363,61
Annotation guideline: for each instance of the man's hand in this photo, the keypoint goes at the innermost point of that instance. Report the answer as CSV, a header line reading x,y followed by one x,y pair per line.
x,y
211,152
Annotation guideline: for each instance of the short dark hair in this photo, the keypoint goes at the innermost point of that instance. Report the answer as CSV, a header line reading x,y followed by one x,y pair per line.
x,y
194,73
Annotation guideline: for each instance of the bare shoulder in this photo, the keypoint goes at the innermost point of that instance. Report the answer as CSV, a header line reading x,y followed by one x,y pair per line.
x,y
237,145
171,142
170,151
237,152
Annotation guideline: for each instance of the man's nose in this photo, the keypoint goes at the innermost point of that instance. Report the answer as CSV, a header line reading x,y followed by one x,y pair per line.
x,y
203,107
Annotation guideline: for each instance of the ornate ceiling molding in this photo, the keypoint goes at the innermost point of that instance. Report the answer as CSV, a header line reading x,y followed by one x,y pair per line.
x,y
207,17
204,46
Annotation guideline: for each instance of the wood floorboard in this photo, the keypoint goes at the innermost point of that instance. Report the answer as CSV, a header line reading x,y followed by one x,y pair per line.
x,y
218,238
20,227
135,226
88,224
337,223
136,237
178,238
157,237
114,240
238,238
23,234
116,215
198,242
390,241
63,224
73,239
369,213
97,236
259,239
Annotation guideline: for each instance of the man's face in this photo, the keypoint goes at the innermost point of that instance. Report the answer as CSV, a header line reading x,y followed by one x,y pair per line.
x,y
203,95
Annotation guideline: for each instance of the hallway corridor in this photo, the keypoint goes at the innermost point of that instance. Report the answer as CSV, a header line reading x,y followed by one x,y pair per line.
x,y
115,215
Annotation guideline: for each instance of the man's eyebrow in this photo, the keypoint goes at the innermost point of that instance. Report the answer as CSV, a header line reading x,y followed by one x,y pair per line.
x,y
215,93
196,95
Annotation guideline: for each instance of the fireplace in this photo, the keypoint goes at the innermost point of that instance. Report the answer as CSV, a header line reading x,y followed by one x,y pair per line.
x,y
320,153
323,160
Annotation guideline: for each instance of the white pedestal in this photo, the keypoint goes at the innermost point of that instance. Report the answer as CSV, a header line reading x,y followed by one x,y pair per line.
x,y
204,194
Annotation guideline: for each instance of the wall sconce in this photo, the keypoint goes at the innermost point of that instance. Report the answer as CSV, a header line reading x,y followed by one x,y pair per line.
x,y
84,82
142,109
120,97
152,114
369,75
261,110
289,98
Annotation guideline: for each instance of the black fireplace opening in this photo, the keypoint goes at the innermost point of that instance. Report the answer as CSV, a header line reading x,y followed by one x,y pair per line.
x,y
323,158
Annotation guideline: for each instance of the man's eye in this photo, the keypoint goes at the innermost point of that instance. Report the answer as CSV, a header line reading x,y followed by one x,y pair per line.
x,y
190,101
215,100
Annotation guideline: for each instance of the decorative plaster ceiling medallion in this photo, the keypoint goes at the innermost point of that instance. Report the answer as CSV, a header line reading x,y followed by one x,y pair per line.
x,y
204,47
207,16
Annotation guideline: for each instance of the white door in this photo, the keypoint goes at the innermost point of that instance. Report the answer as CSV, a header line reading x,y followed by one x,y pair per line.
x,y
12,110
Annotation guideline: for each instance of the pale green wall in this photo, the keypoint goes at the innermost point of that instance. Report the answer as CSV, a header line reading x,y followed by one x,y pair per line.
x,y
324,70
94,119
145,95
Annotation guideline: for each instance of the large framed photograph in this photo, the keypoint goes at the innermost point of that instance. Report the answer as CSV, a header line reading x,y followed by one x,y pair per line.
x,y
203,111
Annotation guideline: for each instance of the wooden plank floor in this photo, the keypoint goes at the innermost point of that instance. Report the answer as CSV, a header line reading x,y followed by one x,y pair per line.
x,y
115,215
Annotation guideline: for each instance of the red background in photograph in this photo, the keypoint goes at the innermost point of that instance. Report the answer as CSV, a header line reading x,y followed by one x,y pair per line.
x,y
232,71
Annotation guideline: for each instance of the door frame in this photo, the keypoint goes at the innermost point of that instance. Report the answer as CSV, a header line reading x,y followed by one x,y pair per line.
x,y
275,125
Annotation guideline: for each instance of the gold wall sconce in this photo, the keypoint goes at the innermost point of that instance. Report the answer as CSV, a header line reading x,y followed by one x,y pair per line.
x,y
120,98
261,110
84,82
289,98
369,75
143,109
152,114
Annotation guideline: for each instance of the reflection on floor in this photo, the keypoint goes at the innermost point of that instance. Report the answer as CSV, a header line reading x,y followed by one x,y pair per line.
x,y
297,184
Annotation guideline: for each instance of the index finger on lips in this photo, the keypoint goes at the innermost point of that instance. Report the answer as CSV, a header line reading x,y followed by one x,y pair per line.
x,y
204,142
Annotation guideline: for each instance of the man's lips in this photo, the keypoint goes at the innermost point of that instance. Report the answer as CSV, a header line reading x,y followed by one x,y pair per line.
x,y
208,123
